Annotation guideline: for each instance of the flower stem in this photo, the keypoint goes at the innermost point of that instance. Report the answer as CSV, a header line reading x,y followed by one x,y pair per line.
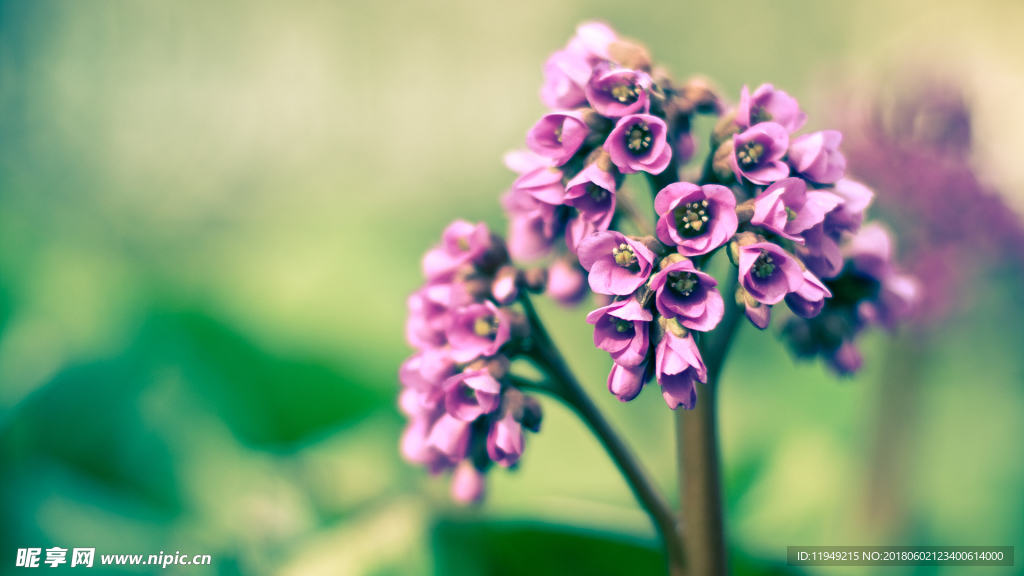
x,y
700,489
563,384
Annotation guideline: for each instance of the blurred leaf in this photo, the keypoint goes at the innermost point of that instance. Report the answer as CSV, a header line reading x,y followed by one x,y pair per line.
x,y
87,419
513,548
269,400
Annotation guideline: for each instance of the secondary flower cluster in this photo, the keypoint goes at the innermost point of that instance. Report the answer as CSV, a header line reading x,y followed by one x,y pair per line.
x,y
463,412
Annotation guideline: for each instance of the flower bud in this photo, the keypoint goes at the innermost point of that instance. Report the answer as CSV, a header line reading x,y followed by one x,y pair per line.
x,y
534,279
532,414
720,163
724,129
630,54
467,483
672,326
670,260
651,243
701,95
505,287
745,211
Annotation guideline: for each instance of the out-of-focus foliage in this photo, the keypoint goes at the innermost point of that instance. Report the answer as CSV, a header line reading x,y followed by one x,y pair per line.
x,y
211,215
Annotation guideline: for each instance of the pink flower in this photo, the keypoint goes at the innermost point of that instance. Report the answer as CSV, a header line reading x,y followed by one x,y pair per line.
x,y
565,74
558,135
769,105
505,440
471,394
757,153
678,365
592,192
808,300
688,295
450,436
816,156
638,144
567,283
617,265
427,369
618,92
467,483
787,208
621,330
462,243
625,382
768,272
695,219
478,330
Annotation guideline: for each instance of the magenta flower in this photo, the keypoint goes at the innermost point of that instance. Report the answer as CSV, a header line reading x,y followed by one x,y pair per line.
x,y
428,316
505,440
558,135
816,156
471,394
695,219
450,436
617,92
758,151
505,288
427,369
592,192
565,74
638,144
768,273
621,330
478,330
808,300
533,224
625,382
592,41
543,184
847,217
767,104
760,315
678,366
847,358
576,230
567,283
416,448
787,208
467,483
618,265
523,161
690,296
821,253
462,243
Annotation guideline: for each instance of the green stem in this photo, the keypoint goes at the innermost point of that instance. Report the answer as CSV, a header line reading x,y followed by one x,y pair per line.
x,y
697,442
562,383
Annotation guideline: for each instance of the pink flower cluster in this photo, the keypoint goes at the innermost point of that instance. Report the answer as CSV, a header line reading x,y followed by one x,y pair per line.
x,y
782,208
463,413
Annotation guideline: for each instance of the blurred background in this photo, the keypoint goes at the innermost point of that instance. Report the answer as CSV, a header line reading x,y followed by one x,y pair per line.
x,y
211,215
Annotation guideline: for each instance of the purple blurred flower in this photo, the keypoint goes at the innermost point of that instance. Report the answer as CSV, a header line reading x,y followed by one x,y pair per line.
x,y
618,265
808,300
768,273
621,330
760,315
533,224
767,104
478,330
471,394
450,436
696,219
461,243
592,41
678,365
542,184
758,151
690,296
505,287
625,382
816,156
617,92
565,74
787,208
505,440
428,316
467,483
577,229
846,359
558,135
638,144
592,192
427,369
567,283
523,161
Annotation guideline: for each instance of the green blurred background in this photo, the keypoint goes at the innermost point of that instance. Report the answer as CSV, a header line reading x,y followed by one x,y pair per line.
x,y
211,214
